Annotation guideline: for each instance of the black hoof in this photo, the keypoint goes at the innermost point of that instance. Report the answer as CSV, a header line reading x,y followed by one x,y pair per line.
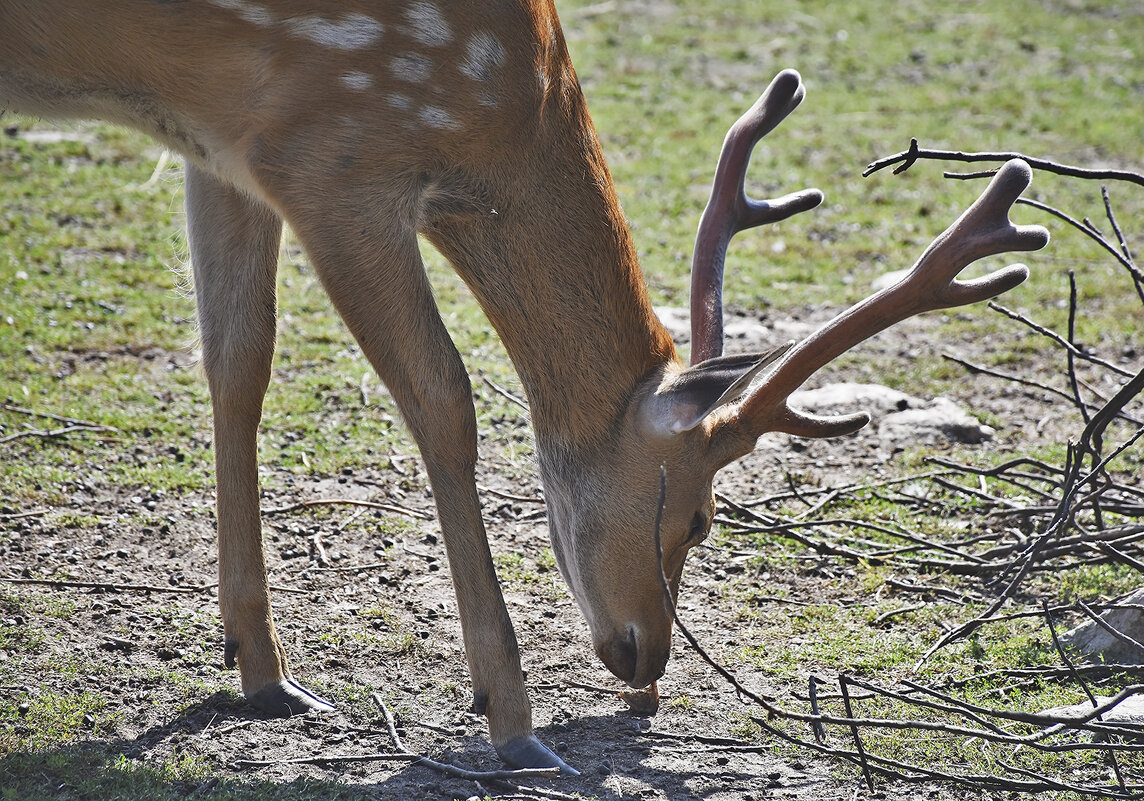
x,y
284,699
529,752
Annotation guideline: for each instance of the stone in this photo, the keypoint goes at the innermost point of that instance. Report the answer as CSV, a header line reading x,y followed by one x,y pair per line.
x,y
754,335
941,420
1094,643
901,419
876,399
1130,711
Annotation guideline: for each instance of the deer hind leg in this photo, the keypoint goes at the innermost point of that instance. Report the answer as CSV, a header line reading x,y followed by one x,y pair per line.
x,y
380,288
234,243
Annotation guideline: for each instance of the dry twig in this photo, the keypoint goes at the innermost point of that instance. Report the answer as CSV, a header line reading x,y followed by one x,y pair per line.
x,y
907,158
383,507
453,770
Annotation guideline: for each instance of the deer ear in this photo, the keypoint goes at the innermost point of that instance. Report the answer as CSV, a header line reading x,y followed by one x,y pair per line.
x,y
682,401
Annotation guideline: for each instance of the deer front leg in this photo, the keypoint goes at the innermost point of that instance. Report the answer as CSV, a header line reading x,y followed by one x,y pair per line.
x,y
380,288
234,252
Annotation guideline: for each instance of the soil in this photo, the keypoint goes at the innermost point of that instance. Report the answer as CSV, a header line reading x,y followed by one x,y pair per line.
x,y
339,607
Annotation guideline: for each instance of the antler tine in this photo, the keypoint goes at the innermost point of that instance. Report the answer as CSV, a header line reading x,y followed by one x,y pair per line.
x,y
983,230
730,210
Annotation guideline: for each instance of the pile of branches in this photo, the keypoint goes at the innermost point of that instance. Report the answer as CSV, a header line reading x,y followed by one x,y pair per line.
x,y
1031,518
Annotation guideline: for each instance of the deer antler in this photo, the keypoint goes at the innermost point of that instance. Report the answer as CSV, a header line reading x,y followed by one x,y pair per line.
x,y
983,230
730,210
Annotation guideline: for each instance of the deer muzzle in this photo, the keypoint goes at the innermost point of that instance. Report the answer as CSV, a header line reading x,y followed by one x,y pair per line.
x,y
634,656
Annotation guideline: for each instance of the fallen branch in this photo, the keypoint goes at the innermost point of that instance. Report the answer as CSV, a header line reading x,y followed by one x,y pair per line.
x,y
384,507
22,515
509,496
54,433
1068,346
977,369
892,613
8,407
504,393
453,770
325,759
114,587
109,586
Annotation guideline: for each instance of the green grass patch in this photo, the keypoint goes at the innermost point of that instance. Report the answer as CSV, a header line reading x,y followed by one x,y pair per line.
x,y
86,771
48,718
540,575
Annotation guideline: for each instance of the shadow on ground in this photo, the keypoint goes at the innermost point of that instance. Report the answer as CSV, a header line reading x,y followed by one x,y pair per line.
x,y
613,753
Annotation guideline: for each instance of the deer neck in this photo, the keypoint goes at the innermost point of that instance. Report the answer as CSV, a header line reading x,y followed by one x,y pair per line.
x,y
540,239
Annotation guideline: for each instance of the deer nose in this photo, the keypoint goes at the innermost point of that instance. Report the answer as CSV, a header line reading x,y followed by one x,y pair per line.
x,y
620,654
638,663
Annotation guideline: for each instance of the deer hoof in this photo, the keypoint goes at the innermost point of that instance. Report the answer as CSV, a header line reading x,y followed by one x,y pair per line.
x,y
287,698
529,752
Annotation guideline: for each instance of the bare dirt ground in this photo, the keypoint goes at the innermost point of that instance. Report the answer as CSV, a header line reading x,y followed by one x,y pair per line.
x,y
373,610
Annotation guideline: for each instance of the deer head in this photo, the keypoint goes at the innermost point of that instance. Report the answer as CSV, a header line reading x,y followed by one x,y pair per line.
x,y
693,421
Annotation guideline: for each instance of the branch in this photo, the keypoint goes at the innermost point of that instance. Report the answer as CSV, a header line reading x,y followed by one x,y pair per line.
x,y
8,407
1095,236
112,587
384,507
1068,346
907,158
50,434
109,586
453,770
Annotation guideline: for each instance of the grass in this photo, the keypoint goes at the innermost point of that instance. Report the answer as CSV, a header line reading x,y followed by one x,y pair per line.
x,y
96,323
81,772
63,718
540,576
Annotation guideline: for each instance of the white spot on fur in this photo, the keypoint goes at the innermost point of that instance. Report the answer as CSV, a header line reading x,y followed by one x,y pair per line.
x,y
542,79
427,25
358,81
483,52
253,13
436,117
410,67
399,102
352,32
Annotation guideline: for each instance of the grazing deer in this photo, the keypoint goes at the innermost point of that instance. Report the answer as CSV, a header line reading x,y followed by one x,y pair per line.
x,y
364,122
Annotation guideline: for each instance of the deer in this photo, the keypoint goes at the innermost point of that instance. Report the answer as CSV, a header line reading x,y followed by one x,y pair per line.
x,y
364,123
